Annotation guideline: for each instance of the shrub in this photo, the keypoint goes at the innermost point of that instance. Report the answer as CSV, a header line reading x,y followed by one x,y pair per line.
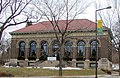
x,y
106,71
21,58
32,57
43,57
5,74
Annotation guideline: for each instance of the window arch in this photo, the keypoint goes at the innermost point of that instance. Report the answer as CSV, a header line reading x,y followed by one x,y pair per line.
x,y
22,48
44,47
93,48
81,49
55,47
68,48
33,48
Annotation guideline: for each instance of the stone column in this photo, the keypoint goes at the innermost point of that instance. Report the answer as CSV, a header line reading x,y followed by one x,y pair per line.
x,y
49,47
26,51
17,53
37,54
37,50
87,53
14,50
87,57
50,50
74,53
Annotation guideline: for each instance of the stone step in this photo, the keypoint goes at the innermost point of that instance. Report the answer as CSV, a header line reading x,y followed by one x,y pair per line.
x,y
48,64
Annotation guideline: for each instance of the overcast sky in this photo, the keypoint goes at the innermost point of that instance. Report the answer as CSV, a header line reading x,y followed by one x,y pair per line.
x,y
88,14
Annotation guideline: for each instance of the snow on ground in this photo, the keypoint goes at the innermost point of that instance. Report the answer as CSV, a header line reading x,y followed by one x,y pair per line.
x,y
65,68
115,66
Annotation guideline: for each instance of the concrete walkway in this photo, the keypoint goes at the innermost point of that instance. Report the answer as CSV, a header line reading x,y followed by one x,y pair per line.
x,y
91,76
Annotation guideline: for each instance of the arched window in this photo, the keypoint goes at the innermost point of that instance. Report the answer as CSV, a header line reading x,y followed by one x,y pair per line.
x,y
55,47
81,49
44,47
33,48
22,48
68,48
94,48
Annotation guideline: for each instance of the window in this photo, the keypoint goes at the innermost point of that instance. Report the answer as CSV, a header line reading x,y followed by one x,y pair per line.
x,y
81,49
94,48
44,47
55,48
68,48
22,48
33,48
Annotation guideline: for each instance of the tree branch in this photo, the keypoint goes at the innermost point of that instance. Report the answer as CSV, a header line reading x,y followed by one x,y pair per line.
x,y
15,11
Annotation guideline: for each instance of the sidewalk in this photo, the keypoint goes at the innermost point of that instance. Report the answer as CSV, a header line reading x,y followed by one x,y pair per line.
x,y
114,75
91,76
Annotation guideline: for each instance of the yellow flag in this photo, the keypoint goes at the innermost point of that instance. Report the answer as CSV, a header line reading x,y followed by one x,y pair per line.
x,y
99,24
99,27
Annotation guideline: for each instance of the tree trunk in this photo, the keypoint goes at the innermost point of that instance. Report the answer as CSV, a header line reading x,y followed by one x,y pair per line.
x,y
0,36
61,59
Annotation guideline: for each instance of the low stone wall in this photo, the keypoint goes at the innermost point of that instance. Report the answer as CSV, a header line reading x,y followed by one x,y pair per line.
x,y
105,64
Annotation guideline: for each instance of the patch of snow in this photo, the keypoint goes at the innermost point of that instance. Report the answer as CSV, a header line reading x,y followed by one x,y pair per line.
x,y
115,66
66,68
29,67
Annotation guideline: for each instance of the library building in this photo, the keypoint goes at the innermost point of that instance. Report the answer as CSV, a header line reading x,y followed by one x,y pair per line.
x,y
36,45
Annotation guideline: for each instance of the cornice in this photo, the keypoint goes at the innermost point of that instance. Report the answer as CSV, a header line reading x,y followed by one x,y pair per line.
x,y
45,32
50,31
52,35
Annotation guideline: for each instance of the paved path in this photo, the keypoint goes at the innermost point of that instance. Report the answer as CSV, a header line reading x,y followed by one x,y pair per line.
x,y
99,76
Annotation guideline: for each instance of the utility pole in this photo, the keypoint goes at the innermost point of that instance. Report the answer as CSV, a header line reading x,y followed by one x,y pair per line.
x,y
119,56
96,36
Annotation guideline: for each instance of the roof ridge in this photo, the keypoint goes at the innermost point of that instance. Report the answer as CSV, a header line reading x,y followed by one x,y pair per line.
x,y
46,25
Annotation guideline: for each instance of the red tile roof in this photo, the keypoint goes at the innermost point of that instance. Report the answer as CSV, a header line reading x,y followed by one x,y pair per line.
x,y
77,24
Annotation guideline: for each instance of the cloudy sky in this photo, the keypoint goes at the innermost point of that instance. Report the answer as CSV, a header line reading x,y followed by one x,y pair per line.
x,y
88,14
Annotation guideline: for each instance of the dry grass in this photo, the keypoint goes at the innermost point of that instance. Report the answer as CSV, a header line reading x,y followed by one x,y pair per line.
x,y
28,72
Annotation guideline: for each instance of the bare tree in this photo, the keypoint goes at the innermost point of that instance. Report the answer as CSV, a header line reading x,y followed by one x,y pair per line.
x,y
110,17
112,20
4,51
10,12
116,28
55,10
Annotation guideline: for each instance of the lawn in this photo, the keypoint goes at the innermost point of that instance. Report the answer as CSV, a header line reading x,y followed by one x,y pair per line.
x,y
28,72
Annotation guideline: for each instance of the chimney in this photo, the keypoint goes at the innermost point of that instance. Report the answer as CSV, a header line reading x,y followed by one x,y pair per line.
x,y
28,23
